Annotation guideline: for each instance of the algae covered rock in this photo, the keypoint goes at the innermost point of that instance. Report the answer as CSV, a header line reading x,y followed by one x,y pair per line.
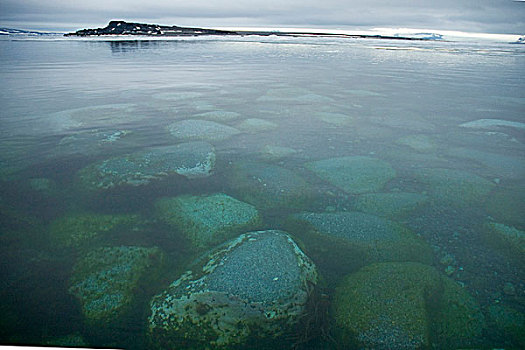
x,y
81,229
454,187
106,280
357,174
508,239
269,186
197,129
255,286
192,160
390,205
405,306
372,237
207,220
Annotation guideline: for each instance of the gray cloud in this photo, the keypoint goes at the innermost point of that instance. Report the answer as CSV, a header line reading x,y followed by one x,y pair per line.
x,y
491,16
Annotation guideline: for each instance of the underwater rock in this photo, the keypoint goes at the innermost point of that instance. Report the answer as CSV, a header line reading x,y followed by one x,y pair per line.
x,y
43,185
405,306
255,125
507,205
454,187
208,220
269,186
88,143
492,124
272,152
219,116
391,205
511,167
251,288
374,238
197,129
355,174
508,323
419,142
80,230
337,119
91,117
508,239
105,281
192,160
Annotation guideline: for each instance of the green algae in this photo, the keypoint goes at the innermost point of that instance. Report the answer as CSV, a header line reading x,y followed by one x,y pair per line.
x,y
372,238
106,279
405,306
81,230
210,219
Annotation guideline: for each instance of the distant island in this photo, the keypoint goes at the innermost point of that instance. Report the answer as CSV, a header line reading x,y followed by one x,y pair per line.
x,y
142,29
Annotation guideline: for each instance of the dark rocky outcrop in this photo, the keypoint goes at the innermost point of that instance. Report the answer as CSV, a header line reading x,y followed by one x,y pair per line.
x,y
142,29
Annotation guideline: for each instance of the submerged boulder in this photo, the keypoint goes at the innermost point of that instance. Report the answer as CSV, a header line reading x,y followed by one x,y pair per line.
x,y
454,187
405,306
372,238
208,220
197,129
390,205
356,174
269,186
255,286
219,115
106,280
508,239
192,160
80,230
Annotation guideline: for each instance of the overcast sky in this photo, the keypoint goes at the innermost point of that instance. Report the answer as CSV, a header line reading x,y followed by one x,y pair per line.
x,y
488,16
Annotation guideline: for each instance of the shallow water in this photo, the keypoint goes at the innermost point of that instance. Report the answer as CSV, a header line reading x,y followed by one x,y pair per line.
x,y
67,104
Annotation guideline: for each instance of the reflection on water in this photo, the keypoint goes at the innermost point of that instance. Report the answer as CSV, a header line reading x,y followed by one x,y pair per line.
x,y
384,181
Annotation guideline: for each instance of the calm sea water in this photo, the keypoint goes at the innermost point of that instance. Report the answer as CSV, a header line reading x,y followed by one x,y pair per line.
x,y
66,104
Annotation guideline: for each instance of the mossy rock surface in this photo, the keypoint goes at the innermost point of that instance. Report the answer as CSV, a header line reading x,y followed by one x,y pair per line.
x,y
357,174
191,159
106,280
374,238
506,239
269,186
253,287
390,205
454,187
210,219
405,306
81,230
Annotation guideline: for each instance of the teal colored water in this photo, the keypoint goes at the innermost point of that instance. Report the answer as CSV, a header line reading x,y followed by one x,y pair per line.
x,y
401,158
